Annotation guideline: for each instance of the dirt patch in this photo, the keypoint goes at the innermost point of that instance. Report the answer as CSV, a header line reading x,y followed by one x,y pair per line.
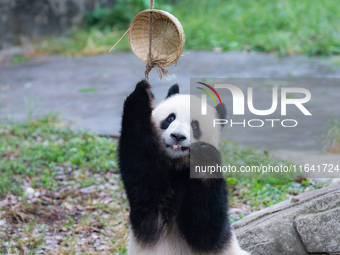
x,y
72,220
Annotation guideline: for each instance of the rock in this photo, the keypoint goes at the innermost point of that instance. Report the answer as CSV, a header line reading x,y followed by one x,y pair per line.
x,y
320,232
29,192
308,225
21,20
88,190
2,223
217,50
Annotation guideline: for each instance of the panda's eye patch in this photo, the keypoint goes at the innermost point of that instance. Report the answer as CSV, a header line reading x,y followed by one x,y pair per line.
x,y
166,123
171,117
196,129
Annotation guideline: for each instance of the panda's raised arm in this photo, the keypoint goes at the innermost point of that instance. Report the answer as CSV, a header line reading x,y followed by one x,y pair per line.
x,y
140,160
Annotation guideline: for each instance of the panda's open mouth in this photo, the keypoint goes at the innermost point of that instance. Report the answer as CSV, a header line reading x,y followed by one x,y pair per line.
x,y
177,147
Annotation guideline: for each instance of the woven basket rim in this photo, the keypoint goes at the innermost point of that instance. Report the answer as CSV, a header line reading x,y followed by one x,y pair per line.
x,y
173,19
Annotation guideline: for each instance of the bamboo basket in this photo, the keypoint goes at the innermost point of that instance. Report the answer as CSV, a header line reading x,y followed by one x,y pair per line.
x,y
166,33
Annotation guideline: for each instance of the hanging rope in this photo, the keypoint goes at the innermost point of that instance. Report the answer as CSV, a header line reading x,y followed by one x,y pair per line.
x,y
151,62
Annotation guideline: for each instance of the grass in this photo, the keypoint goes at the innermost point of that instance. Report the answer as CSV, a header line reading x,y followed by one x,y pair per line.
x,y
309,27
78,205
87,90
253,192
84,42
238,156
333,135
40,150
19,59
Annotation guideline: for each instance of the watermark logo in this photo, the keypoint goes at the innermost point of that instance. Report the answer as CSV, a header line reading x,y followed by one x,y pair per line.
x,y
209,93
280,97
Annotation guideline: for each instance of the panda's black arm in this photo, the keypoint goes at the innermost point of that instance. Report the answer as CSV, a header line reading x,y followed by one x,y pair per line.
x,y
139,161
203,218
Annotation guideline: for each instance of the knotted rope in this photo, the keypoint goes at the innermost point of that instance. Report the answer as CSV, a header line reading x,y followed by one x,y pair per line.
x,y
151,62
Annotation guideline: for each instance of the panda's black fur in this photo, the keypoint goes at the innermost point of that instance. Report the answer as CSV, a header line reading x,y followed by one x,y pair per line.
x,y
162,197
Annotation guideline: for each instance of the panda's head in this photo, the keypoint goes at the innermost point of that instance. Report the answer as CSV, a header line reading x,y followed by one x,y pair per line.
x,y
179,127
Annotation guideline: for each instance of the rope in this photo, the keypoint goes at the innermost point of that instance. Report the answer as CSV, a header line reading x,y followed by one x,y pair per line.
x,y
159,63
151,62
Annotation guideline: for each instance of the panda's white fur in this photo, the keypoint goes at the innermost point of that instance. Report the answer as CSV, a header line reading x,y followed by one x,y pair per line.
x,y
181,105
170,240
173,244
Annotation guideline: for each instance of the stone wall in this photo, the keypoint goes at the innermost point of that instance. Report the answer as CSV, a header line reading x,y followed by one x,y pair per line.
x,y
29,19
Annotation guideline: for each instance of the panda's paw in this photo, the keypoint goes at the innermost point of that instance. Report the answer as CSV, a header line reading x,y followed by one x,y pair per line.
x,y
142,86
204,155
141,97
143,90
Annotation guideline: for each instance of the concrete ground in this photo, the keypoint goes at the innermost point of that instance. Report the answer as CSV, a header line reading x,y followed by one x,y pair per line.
x,y
89,91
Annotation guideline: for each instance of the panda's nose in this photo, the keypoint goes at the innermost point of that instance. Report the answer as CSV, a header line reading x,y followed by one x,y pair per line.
x,y
178,137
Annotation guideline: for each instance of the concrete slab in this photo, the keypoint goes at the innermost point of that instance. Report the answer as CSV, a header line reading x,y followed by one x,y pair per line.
x,y
90,91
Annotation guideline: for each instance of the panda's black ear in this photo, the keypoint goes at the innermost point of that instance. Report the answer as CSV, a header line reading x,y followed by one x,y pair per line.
x,y
221,111
173,90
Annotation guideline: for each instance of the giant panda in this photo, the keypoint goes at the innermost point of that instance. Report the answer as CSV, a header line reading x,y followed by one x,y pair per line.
x,y
171,213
